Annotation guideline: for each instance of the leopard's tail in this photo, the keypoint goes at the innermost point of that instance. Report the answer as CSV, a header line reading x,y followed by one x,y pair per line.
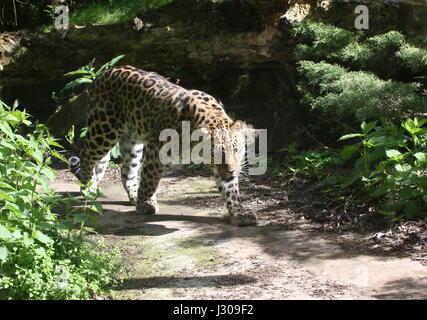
x,y
74,166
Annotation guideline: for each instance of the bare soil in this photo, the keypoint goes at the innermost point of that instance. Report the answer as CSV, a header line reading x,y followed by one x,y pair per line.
x,y
304,247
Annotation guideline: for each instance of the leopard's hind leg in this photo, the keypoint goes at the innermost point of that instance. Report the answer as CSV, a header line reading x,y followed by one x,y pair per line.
x,y
151,172
131,152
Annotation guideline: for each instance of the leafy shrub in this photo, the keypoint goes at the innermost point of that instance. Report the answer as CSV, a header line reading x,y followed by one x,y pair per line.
x,y
112,11
387,166
309,163
318,40
86,75
42,256
414,58
391,166
349,75
31,14
336,90
377,54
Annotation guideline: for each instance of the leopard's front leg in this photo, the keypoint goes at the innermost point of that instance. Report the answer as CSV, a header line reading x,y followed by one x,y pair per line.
x,y
238,214
151,173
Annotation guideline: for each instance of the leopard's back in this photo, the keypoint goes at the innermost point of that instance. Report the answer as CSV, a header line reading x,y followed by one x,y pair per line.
x,y
143,102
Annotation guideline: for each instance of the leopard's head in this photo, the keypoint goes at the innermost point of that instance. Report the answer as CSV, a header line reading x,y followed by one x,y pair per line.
x,y
230,148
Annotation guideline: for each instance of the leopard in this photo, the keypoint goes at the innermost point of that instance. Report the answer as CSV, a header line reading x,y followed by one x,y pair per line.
x,y
132,106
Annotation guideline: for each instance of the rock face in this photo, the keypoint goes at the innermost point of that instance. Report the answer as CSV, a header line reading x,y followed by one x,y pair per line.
x,y
237,50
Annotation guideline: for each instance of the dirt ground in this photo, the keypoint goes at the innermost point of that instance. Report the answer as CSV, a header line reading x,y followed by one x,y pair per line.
x,y
189,250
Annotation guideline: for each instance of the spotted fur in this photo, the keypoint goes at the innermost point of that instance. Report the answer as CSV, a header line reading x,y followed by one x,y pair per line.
x,y
132,106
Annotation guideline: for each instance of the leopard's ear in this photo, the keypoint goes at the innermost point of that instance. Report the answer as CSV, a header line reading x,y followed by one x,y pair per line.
x,y
238,125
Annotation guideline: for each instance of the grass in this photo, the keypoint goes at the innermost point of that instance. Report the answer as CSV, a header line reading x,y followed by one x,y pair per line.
x,y
112,11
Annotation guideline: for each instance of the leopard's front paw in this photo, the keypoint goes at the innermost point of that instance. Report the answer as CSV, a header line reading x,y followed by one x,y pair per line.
x,y
147,207
242,218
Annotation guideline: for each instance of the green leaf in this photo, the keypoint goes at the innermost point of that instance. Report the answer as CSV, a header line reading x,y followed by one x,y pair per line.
x,y
41,251
110,64
5,196
384,141
80,71
7,145
49,173
40,236
28,241
89,229
14,208
36,155
4,126
5,234
403,167
64,226
350,136
77,82
367,127
78,218
5,185
3,254
392,153
421,157
97,208
59,156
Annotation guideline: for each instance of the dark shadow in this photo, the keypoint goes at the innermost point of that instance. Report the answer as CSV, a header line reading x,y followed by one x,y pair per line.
x,y
185,282
187,218
138,230
64,194
406,288
294,244
130,223
205,192
180,171
196,202
116,202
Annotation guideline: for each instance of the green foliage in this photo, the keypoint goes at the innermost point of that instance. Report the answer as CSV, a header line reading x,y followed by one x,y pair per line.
x,y
372,53
318,40
391,166
86,75
112,11
42,255
387,165
348,75
414,58
24,14
334,89
309,163
32,14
